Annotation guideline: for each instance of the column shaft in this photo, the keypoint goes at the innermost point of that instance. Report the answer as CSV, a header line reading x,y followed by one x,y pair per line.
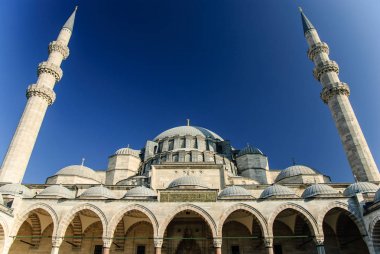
x,y
157,250
269,250
321,249
218,250
106,250
55,250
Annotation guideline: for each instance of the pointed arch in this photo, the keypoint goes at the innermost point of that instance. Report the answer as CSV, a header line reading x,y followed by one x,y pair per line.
x,y
350,212
119,215
202,213
66,220
24,216
256,214
309,218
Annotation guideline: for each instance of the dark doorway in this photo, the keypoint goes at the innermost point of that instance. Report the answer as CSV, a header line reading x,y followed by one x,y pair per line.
x,y
235,249
140,249
98,249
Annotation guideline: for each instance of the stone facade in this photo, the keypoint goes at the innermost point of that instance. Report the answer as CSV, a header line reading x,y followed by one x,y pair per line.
x,y
188,190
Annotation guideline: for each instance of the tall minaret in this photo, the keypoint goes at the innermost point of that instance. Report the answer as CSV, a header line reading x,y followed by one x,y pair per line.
x,y
335,94
40,96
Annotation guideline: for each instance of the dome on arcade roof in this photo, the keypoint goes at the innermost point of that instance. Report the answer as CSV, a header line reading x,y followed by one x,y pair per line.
x,y
98,191
187,181
319,190
295,171
128,151
188,130
234,191
16,189
79,170
57,190
140,191
249,150
360,187
277,190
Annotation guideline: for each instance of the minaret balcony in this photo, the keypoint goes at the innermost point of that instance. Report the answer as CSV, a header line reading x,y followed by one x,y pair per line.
x,y
44,92
333,89
59,47
46,67
324,67
319,47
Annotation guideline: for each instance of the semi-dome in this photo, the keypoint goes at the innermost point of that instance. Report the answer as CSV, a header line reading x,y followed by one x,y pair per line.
x,y
277,190
187,181
57,191
360,187
16,189
79,170
128,151
188,130
295,171
98,191
234,191
319,190
249,150
140,191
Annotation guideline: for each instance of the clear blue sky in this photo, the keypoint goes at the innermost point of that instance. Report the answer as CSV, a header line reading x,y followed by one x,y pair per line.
x,y
238,68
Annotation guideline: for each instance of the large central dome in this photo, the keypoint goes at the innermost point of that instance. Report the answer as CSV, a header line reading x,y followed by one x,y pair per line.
x,y
188,130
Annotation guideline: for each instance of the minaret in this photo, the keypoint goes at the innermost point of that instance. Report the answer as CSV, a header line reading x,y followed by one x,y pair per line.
x,y
335,94
39,96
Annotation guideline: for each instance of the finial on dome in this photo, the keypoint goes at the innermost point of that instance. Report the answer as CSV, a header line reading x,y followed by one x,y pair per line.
x,y
299,8
82,164
70,21
188,122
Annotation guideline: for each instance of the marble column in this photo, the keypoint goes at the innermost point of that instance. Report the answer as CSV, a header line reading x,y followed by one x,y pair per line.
x,y
268,242
319,242
158,245
218,245
55,244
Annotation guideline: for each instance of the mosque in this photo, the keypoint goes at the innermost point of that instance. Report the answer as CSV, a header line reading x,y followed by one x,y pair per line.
x,y
188,190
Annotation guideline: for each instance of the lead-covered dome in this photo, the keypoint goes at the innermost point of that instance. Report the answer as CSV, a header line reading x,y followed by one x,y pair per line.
x,y
127,151
360,187
98,192
79,170
316,190
295,171
140,191
188,130
249,150
187,181
277,191
16,189
56,191
234,191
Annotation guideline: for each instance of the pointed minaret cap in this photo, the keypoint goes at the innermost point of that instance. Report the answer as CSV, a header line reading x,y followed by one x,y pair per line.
x,y
70,21
307,25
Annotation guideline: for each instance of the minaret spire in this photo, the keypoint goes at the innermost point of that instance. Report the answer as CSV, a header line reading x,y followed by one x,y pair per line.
x,y
335,94
39,96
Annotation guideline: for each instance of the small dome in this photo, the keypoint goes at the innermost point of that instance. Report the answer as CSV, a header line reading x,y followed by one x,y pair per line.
x,y
187,181
234,191
16,189
188,130
128,151
140,191
295,171
79,170
277,190
249,150
98,191
58,191
319,190
360,187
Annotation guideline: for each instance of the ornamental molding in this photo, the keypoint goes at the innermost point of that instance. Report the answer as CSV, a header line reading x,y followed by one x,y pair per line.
x,y
268,242
107,242
338,88
319,240
59,47
46,67
158,242
44,92
56,241
319,47
324,67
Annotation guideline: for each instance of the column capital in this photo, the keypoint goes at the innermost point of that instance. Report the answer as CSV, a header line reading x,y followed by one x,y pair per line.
x,y
107,242
46,67
334,89
217,242
44,92
319,240
158,242
268,242
56,241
